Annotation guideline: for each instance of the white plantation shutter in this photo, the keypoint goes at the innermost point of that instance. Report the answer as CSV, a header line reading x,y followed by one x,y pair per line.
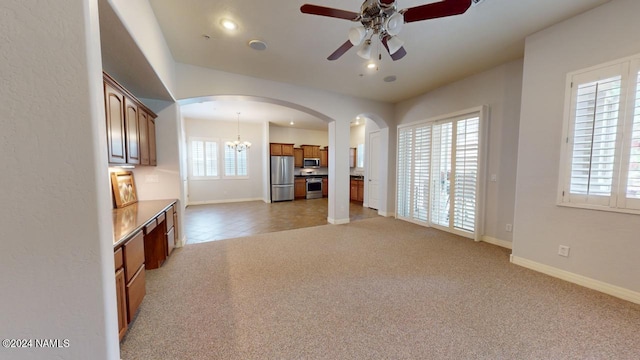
x,y
421,174
594,138
633,176
466,173
204,158
235,163
441,174
601,148
197,158
211,158
438,173
405,164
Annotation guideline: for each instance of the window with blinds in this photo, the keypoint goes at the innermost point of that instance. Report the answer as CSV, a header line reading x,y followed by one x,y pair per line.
x,y
204,158
438,175
601,146
235,163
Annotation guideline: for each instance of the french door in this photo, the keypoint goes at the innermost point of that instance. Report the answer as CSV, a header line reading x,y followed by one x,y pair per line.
x,y
440,172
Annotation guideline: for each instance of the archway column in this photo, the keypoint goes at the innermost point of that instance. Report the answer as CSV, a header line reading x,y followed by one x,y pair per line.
x,y
338,172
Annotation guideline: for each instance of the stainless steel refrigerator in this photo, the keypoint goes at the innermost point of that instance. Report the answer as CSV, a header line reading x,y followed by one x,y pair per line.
x,y
281,178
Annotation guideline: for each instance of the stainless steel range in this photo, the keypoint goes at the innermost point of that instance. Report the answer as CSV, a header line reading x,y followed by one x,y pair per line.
x,y
314,187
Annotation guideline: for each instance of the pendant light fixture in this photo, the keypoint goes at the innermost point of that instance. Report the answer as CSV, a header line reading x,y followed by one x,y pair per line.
x,y
238,145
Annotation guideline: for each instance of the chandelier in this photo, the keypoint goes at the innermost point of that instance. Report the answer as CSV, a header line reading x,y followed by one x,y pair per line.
x,y
238,145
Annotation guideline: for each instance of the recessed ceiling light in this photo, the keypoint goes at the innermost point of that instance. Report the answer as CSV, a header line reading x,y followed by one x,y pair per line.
x,y
257,45
291,123
228,24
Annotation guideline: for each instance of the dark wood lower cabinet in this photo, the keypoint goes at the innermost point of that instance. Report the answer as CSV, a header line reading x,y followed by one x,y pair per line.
x,y
143,247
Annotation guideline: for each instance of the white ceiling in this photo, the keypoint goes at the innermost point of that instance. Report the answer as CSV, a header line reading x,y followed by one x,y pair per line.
x,y
439,51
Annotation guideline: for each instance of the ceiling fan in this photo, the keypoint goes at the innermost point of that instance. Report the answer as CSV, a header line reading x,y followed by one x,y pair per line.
x,y
382,18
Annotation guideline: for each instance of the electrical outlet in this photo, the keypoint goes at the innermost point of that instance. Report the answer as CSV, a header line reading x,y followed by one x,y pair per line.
x,y
563,250
509,228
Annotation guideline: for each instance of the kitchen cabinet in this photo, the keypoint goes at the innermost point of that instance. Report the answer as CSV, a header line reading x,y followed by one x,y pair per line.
x,y
325,187
311,151
121,299
153,160
356,190
141,231
300,188
114,110
298,156
324,157
278,149
132,134
143,136
130,127
170,233
134,276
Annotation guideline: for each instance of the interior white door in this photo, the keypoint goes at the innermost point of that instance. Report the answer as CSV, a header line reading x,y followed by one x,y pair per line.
x,y
373,169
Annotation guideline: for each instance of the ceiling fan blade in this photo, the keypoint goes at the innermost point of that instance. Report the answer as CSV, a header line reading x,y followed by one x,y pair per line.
x,y
436,10
398,54
341,50
330,12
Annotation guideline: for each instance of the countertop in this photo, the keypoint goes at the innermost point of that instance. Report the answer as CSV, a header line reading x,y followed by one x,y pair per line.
x,y
130,219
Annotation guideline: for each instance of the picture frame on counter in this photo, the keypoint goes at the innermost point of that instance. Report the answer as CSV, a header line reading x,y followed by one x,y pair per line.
x,y
124,188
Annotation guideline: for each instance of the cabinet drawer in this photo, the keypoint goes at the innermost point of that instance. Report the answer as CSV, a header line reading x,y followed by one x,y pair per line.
x,y
150,226
118,259
135,293
160,218
169,215
133,255
170,240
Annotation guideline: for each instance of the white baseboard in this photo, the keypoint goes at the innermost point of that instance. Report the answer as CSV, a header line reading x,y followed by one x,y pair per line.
x,y
337,221
593,284
502,243
386,214
208,202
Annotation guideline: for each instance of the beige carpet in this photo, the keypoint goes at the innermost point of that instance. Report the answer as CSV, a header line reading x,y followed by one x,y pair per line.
x,y
373,289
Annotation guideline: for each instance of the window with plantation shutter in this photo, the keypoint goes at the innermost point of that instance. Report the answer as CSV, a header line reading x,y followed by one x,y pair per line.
x,y
204,158
235,163
601,145
439,172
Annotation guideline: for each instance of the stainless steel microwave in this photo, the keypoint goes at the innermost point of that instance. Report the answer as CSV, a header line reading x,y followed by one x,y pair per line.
x,y
311,163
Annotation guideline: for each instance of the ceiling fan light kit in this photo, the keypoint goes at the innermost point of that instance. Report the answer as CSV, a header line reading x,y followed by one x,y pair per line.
x,y
382,18
365,50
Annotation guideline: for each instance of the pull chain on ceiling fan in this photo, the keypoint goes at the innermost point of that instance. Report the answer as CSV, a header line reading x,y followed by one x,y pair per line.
x,y
381,18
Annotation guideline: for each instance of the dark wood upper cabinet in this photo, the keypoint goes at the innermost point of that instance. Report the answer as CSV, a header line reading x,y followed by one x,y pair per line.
x,y
133,132
130,126
153,160
114,108
143,126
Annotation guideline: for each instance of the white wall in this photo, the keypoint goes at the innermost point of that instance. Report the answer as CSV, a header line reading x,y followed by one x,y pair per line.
x,y
604,246
229,190
298,136
57,237
500,89
357,135
142,25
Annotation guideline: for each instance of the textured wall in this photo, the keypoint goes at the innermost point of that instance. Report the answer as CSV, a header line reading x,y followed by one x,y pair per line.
x,y
57,253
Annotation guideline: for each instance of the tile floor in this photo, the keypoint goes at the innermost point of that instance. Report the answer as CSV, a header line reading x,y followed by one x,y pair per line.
x,y
224,221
